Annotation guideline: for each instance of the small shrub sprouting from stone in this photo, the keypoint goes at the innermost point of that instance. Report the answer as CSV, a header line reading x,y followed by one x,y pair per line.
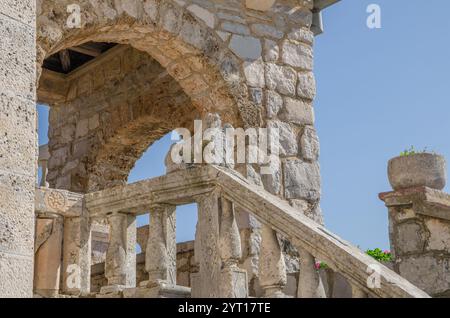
x,y
379,255
412,151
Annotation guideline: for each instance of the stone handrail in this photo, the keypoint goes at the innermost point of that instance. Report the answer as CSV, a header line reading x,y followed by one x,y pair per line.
x,y
187,186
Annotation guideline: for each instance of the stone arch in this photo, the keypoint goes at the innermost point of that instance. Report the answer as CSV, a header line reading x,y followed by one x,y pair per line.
x,y
185,46
191,51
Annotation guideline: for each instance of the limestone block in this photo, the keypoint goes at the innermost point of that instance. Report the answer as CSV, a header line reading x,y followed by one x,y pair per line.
x,y
82,128
16,274
235,28
274,103
439,239
301,180
409,237
260,5
301,17
297,111
265,30
281,78
309,144
18,134
272,181
288,145
17,214
246,47
203,14
428,272
254,72
302,35
297,55
17,72
21,10
306,87
271,51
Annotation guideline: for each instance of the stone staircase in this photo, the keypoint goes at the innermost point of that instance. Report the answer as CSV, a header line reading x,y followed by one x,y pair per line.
x,y
218,191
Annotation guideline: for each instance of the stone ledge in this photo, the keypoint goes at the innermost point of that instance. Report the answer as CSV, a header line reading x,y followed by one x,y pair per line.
x,y
425,201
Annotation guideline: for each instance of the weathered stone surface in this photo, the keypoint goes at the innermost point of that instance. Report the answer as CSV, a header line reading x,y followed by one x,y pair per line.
x,y
306,87
18,146
297,55
427,272
288,145
309,144
281,78
297,112
254,72
274,103
246,47
271,51
301,180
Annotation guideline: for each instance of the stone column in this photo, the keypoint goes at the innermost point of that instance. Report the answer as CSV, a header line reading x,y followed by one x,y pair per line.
x,y
77,255
233,283
205,283
161,251
48,255
18,146
120,265
272,269
419,232
310,284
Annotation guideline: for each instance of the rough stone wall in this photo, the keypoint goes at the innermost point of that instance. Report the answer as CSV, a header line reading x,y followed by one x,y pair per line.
x,y
262,61
18,146
421,248
112,112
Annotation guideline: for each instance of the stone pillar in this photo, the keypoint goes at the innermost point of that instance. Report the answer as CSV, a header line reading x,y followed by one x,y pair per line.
x,y
48,255
161,250
419,232
77,255
120,266
309,283
272,269
419,221
233,283
18,146
205,283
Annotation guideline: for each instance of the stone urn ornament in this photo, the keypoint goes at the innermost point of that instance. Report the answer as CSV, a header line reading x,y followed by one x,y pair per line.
x,y
417,169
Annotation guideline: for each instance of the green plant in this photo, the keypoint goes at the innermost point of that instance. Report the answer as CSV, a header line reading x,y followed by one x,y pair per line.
x,y
321,265
379,255
412,151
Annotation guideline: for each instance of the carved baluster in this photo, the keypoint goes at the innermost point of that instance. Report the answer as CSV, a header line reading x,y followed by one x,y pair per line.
x,y
48,251
358,292
310,284
161,251
120,266
44,157
77,255
272,269
233,279
205,283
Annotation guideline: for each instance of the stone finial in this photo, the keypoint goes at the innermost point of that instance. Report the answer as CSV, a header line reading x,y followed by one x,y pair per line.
x,y
259,5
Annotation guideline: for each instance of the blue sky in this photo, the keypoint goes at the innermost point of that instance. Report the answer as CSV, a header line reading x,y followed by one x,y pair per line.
x,y
379,92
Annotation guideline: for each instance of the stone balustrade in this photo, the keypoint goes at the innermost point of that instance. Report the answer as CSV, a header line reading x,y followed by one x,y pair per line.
x,y
218,192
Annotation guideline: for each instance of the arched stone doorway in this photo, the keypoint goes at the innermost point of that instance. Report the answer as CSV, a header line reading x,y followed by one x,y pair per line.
x,y
252,68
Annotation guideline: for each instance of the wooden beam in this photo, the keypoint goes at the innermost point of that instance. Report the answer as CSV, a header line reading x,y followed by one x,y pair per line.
x,y
64,56
86,50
